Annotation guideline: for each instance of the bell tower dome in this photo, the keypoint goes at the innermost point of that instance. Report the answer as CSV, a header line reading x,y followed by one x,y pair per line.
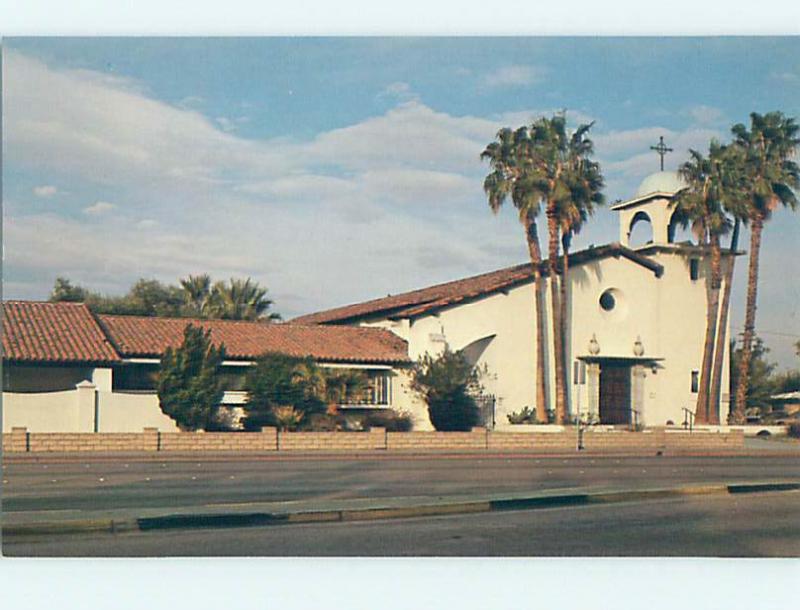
x,y
646,218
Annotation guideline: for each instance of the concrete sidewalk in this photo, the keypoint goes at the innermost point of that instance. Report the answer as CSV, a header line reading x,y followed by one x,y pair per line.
x,y
66,522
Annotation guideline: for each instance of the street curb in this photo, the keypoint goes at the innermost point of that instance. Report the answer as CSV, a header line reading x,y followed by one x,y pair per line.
x,y
254,519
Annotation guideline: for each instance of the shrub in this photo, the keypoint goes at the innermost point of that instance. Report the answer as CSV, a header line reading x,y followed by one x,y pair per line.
x,y
794,430
524,416
287,417
447,384
393,421
278,380
189,389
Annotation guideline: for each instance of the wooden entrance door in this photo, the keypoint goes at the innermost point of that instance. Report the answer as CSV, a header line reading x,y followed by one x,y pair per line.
x,y
615,393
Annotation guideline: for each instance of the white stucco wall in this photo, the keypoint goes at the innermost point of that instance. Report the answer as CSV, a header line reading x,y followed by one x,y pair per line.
x,y
121,412
84,409
667,313
44,412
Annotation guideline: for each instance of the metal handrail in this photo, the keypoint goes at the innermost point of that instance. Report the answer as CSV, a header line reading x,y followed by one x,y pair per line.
x,y
688,419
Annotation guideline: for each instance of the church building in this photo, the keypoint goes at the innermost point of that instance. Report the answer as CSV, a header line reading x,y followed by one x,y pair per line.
x,y
635,330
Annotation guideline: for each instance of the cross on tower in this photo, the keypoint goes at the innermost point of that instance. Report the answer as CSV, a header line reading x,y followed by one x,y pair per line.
x,y
661,149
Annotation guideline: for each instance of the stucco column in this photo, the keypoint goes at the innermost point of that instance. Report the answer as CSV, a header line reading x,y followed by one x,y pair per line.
x,y
638,372
593,381
102,378
87,397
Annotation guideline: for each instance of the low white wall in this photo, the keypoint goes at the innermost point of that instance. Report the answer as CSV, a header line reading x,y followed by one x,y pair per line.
x,y
121,412
44,412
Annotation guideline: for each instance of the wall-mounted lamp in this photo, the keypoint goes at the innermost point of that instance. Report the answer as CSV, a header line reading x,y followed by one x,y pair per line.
x,y
638,348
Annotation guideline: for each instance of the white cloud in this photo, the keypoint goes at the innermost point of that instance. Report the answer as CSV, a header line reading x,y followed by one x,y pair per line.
x,y
514,76
706,115
44,190
101,207
399,91
335,207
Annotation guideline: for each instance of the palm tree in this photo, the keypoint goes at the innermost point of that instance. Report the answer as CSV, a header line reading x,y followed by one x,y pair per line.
x,y
565,177
701,204
735,204
511,176
771,177
585,186
240,300
197,293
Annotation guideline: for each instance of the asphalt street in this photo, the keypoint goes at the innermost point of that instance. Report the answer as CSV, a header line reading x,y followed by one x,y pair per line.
x,y
758,525
128,485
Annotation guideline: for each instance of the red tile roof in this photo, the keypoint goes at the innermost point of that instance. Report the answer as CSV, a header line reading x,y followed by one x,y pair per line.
x,y
149,337
427,300
53,332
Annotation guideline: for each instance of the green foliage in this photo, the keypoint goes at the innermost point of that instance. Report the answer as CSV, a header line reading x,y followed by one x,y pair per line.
x,y
788,381
278,380
447,384
761,385
287,418
526,415
393,421
196,297
344,386
189,389
63,290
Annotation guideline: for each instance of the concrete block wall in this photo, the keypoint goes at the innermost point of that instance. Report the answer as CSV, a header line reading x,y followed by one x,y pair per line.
x,y
437,441
67,442
19,440
266,440
531,441
333,441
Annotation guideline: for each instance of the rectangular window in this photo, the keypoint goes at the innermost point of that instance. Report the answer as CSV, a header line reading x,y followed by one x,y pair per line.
x,y
695,381
694,269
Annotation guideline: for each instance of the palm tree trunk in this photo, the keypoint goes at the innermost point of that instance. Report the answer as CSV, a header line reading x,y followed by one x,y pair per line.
x,y
719,350
743,378
558,348
703,413
535,253
563,321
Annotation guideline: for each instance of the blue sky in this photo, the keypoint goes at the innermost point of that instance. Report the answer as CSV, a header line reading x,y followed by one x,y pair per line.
x,y
335,170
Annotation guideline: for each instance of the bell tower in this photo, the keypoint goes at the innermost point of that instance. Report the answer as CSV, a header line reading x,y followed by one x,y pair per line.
x,y
647,217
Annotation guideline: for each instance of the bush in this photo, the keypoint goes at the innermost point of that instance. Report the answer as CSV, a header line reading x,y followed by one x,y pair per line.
x,y
278,380
447,384
189,389
794,430
287,417
393,421
525,416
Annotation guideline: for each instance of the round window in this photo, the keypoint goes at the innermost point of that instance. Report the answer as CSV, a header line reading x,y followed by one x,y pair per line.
x,y
607,300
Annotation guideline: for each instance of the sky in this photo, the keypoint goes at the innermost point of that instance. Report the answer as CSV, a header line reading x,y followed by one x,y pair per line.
x,y
337,170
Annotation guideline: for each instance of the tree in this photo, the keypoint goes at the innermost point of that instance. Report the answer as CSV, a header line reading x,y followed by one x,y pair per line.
x,y
64,291
512,176
240,300
189,389
447,383
279,380
585,183
561,167
711,182
196,297
761,385
197,294
771,178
